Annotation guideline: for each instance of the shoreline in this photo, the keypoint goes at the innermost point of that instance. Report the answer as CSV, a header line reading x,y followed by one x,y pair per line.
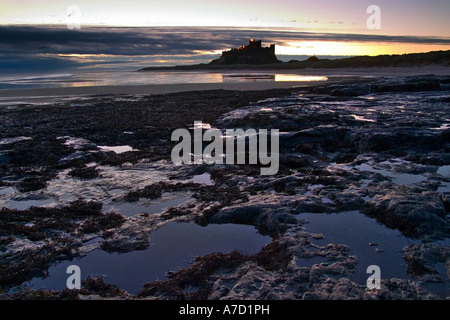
x,y
147,89
334,76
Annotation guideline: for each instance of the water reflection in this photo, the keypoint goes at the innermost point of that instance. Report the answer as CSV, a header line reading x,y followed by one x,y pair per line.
x,y
248,77
298,77
371,242
120,78
172,247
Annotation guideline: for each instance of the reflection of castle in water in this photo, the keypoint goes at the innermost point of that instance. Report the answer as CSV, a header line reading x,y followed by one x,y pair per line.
x,y
254,53
248,77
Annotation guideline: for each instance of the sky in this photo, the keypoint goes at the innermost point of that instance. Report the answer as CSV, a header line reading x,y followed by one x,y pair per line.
x,y
105,33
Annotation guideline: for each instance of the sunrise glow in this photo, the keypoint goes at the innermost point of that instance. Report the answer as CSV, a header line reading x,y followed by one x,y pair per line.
x,y
321,28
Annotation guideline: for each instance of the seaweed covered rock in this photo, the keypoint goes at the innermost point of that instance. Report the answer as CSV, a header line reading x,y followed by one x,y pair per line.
x,y
415,215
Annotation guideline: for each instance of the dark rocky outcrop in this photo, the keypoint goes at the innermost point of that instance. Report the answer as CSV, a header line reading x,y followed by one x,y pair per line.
x,y
416,215
252,54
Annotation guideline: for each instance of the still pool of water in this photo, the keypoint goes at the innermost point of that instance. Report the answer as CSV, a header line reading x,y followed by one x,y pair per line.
x,y
172,247
444,171
28,203
398,178
117,149
166,201
7,190
204,178
121,78
357,231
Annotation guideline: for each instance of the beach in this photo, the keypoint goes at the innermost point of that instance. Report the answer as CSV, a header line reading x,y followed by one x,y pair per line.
x,y
87,179
332,75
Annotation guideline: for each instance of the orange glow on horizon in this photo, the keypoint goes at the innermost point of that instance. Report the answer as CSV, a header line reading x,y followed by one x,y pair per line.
x,y
334,48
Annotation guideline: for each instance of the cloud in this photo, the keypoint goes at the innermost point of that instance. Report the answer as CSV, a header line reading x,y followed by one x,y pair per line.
x,y
24,62
165,41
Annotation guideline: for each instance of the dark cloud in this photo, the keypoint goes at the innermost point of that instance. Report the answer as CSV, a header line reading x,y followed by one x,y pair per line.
x,y
164,41
26,62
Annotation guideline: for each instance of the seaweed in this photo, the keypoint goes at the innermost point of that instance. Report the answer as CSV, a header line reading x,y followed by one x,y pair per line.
x,y
85,173
195,276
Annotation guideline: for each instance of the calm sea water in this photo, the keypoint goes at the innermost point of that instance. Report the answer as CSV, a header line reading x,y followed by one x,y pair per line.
x,y
106,78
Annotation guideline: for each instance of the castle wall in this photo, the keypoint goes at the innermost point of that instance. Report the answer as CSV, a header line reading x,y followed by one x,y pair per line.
x,y
253,53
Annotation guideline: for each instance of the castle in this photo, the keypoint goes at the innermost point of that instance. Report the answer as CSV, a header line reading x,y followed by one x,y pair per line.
x,y
254,53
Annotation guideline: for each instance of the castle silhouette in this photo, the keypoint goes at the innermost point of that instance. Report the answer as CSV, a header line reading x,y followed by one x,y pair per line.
x,y
253,54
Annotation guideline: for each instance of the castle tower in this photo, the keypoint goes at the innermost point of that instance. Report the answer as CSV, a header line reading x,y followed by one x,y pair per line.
x,y
255,44
272,49
252,54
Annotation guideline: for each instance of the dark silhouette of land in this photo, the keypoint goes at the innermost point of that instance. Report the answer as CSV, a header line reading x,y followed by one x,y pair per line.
x,y
254,56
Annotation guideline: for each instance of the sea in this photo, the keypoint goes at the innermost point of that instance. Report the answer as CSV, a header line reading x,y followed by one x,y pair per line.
x,y
116,78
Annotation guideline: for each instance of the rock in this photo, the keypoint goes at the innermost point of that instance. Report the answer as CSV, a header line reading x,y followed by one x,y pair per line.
x,y
331,289
78,155
33,183
412,84
84,173
350,90
328,134
399,289
415,215
347,201
294,162
313,205
447,264
134,234
268,220
422,260
446,202
124,244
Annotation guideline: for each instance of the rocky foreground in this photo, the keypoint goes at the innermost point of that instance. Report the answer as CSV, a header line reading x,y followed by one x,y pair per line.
x,y
378,147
